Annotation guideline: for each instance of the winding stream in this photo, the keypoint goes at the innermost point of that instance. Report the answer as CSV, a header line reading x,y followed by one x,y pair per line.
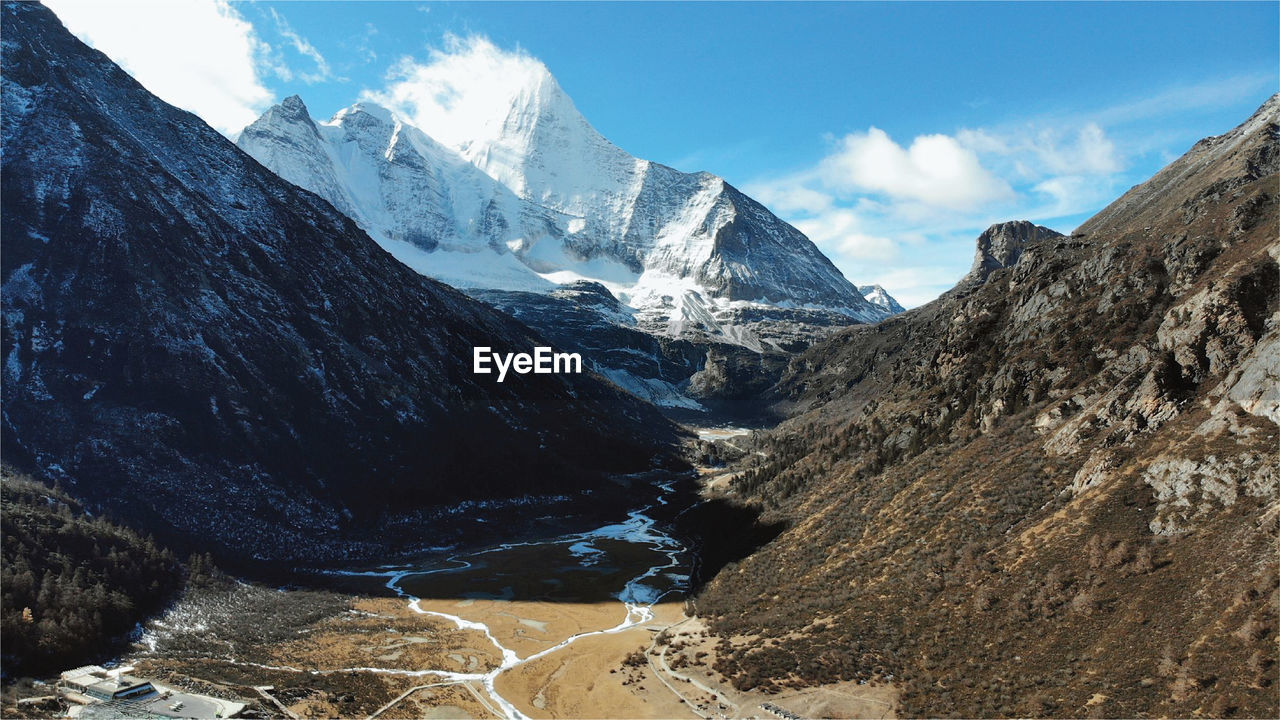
x,y
591,552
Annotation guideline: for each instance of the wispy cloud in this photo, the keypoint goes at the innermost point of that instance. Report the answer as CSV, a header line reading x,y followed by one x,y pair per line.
x,y
1037,150
300,44
904,214
844,230
1183,98
709,156
365,46
462,87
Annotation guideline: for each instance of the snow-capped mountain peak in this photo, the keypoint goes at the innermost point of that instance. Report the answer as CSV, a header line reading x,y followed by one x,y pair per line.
x,y
522,193
877,295
545,150
230,337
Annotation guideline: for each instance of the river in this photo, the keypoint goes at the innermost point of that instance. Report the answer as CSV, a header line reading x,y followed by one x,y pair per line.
x,y
634,563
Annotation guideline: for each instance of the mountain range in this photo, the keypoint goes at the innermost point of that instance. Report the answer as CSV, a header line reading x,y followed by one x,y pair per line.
x,y
536,203
541,198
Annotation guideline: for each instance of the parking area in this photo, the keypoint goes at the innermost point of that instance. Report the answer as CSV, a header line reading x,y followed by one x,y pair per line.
x,y
169,703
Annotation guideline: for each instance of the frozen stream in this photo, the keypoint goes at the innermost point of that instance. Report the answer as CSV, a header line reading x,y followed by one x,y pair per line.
x,y
712,434
590,551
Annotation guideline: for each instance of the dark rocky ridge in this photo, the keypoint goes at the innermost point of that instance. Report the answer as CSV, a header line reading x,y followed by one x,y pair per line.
x,y
1052,493
213,354
696,376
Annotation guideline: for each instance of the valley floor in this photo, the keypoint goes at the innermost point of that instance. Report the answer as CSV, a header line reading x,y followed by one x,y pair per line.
x,y
537,629
363,657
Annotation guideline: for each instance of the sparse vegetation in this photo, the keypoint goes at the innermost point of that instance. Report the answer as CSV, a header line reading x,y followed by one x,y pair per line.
x,y
964,485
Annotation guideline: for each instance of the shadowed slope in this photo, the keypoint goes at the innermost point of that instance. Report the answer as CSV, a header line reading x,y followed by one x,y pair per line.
x,y
214,354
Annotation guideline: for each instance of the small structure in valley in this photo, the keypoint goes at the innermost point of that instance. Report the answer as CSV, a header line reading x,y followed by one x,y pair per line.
x,y
102,693
96,683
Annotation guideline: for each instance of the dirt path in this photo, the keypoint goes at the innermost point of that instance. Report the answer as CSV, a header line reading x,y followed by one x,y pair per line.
x,y
263,690
725,707
409,692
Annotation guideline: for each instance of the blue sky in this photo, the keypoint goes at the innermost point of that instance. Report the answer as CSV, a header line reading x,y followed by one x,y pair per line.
x,y
891,133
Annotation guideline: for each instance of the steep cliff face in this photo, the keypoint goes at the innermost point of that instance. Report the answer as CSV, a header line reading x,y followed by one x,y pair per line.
x,y
1000,246
196,345
1053,492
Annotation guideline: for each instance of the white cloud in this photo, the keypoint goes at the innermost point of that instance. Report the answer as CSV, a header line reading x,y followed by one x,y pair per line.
x,y
936,171
1035,151
460,89
790,198
840,231
1073,194
197,54
1094,153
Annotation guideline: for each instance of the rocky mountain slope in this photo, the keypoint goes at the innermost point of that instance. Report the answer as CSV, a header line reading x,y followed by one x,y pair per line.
x,y
1053,491
196,345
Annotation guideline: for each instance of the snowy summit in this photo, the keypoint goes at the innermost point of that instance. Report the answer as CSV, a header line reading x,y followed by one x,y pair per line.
x,y
527,195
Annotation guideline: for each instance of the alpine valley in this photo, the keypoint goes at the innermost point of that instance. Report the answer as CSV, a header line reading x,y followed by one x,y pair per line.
x,y
248,469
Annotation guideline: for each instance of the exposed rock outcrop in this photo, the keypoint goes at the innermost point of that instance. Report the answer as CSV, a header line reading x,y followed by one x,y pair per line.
x,y
1001,245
